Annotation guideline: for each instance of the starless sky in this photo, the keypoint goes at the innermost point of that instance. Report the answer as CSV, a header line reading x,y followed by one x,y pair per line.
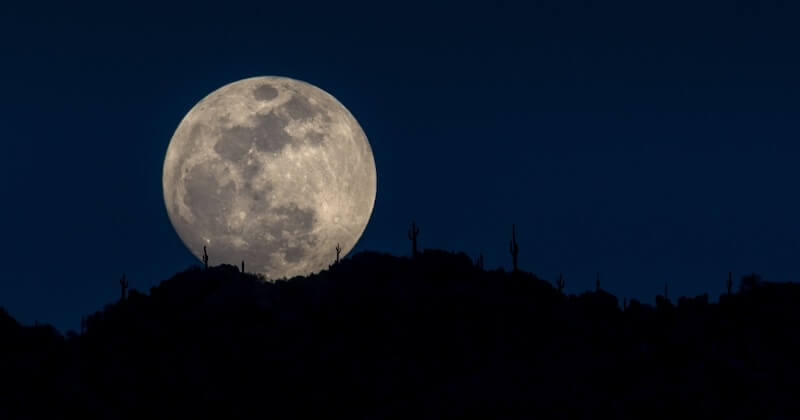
x,y
649,141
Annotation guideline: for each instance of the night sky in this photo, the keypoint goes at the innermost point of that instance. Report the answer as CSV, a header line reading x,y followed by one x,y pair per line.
x,y
649,141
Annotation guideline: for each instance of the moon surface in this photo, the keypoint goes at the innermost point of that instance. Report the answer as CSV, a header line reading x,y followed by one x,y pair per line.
x,y
271,171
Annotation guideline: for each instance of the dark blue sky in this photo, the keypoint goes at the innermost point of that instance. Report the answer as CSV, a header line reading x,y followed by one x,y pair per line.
x,y
650,141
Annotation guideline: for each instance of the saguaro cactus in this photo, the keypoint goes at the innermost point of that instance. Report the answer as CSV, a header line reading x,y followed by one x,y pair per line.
x,y
205,257
513,247
413,233
123,284
479,261
560,283
242,266
729,283
338,252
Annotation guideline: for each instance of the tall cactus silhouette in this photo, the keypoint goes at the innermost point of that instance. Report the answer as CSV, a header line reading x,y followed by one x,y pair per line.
x,y
479,261
205,257
413,233
729,283
513,247
560,283
123,285
242,266
338,252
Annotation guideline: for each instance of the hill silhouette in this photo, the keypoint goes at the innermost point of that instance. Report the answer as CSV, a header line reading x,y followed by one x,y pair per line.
x,y
378,336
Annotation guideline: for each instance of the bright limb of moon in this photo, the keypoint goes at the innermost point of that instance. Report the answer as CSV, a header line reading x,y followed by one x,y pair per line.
x,y
271,171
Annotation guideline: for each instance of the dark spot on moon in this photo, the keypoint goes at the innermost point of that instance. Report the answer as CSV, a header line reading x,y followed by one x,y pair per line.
x,y
259,198
293,223
250,170
208,199
268,135
315,138
234,143
292,220
198,130
265,93
294,254
299,107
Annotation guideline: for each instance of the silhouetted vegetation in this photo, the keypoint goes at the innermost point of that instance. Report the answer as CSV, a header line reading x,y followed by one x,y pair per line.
x,y
378,336
479,261
123,285
729,283
513,247
413,233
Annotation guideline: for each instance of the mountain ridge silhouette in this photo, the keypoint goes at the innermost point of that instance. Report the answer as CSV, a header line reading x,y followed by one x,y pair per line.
x,y
432,336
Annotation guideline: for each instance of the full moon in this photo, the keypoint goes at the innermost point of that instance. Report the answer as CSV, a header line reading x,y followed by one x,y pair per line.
x,y
271,171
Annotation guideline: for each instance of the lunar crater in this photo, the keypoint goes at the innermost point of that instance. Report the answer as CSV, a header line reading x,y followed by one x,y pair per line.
x,y
265,93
